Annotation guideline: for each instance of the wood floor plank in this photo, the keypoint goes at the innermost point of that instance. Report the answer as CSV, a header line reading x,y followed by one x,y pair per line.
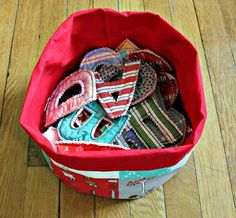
x,y
129,5
75,204
227,11
211,168
151,205
106,208
14,141
159,7
184,200
27,46
8,11
181,193
105,4
41,198
35,155
77,5
222,71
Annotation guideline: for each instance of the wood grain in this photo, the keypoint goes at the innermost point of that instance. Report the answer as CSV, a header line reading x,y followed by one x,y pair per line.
x,y
152,205
8,11
130,5
77,5
35,155
27,45
41,199
105,4
75,204
222,71
183,188
14,141
106,208
227,9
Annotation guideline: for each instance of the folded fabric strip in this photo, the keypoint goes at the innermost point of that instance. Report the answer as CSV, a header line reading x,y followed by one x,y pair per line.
x,y
78,146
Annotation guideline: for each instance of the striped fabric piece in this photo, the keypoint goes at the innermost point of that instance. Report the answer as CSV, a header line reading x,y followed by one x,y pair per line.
x,y
150,110
100,56
124,89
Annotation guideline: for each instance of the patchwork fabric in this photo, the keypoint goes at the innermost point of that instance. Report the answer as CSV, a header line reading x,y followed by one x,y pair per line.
x,y
123,89
168,87
86,81
148,116
106,187
90,124
116,184
129,139
146,84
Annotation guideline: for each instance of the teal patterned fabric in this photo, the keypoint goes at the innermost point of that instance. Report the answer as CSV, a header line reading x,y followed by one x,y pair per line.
x,y
85,132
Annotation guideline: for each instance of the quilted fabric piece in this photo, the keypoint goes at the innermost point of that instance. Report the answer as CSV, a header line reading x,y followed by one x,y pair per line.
x,y
168,87
96,127
146,84
152,125
158,63
86,81
100,56
124,89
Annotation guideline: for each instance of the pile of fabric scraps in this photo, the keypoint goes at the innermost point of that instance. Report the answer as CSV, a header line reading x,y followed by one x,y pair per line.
x,y
118,99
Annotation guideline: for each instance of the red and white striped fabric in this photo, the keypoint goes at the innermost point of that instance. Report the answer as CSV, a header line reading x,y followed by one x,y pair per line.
x,y
124,89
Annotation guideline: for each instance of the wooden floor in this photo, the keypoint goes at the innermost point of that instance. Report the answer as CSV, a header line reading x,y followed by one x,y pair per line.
x,y
206,187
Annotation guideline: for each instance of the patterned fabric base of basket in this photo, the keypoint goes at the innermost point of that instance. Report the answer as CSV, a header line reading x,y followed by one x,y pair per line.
x,y
115,184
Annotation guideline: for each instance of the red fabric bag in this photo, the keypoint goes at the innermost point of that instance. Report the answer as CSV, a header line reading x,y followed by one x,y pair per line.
x,y
90,29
